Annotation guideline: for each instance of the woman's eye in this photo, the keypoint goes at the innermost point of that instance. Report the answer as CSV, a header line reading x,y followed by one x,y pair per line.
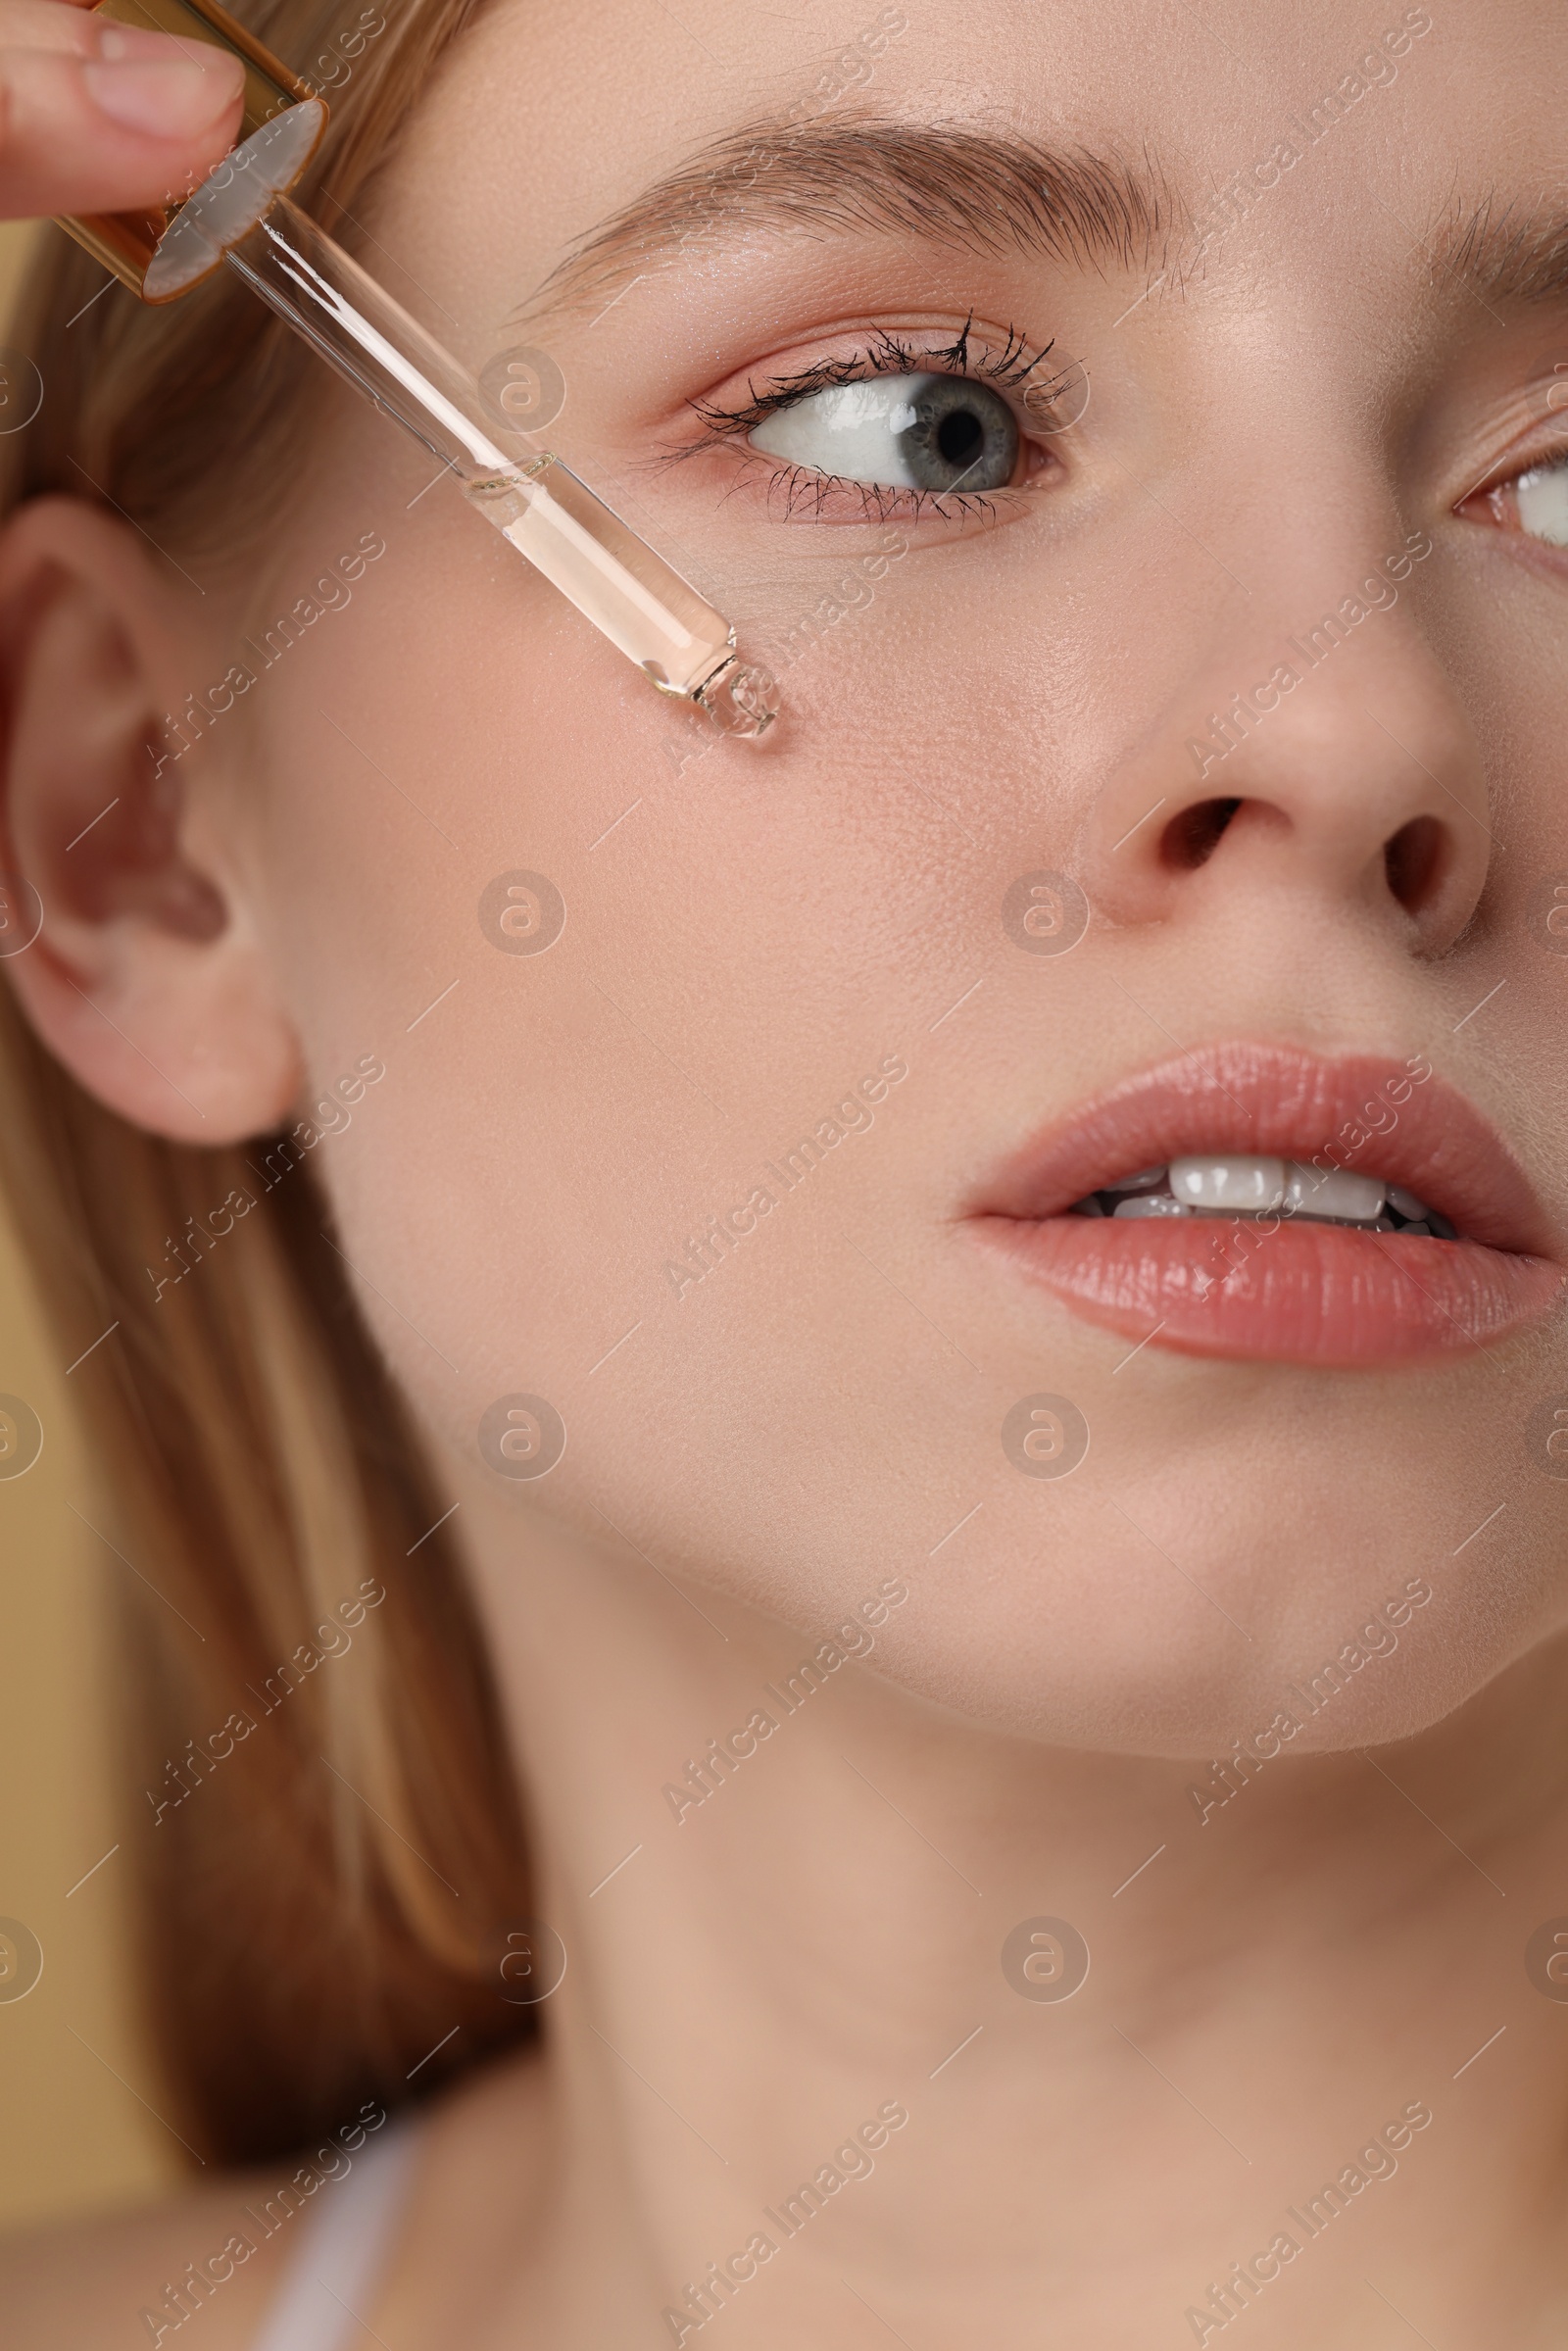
x,y
1541,501
905,432
1534,503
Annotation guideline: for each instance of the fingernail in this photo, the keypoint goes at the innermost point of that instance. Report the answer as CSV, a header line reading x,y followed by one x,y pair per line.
x,y
118,44
172,99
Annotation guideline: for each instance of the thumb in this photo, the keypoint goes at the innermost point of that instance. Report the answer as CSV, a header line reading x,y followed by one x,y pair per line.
x,y
100,117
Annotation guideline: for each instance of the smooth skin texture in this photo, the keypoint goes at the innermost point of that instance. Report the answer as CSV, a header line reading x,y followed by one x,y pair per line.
x,y
751,1457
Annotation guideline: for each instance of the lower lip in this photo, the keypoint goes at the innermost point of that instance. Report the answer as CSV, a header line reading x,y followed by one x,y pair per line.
x,y
1294,1292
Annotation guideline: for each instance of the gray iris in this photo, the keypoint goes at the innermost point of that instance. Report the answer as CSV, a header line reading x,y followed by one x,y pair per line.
x,y
964,436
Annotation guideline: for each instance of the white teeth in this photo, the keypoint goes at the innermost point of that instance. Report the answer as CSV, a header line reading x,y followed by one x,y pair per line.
x,y
1334,1193
1249,1187
1254,1187
1239,1183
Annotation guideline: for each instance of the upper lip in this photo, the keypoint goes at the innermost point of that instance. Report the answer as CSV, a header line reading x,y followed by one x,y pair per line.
x,y
1277,1102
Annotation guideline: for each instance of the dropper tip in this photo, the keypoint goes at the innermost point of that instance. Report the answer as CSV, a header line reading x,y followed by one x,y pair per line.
x,y
741,699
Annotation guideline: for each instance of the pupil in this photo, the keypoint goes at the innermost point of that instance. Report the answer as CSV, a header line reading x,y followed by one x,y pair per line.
x,y
959,436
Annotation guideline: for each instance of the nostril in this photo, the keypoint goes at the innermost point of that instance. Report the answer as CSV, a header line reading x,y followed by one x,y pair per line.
x,y
1191,839
1415,860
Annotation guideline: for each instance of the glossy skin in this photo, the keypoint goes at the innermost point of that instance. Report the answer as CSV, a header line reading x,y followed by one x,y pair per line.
x,y
750,935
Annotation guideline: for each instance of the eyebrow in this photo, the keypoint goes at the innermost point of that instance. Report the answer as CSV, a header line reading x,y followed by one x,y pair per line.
x,y
1506,250
974,191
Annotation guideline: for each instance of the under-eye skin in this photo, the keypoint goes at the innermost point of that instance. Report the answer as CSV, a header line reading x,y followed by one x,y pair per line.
x,y
930,432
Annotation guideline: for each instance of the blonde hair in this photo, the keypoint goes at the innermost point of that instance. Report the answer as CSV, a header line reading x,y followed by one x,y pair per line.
x,y
332,1896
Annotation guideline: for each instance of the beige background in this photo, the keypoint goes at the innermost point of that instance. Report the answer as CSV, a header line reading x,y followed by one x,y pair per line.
x,y
76,2133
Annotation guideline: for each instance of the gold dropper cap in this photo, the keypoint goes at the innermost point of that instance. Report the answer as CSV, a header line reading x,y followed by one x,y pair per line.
x,y
280,129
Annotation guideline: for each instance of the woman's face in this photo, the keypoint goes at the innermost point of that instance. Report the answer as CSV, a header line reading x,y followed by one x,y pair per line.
x,y
1219,725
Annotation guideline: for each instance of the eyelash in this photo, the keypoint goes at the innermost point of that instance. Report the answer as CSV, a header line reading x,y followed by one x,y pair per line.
x,y
883,353
1544,460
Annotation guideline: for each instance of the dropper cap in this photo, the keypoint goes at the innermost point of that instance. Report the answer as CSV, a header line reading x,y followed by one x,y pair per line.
x,y
161,253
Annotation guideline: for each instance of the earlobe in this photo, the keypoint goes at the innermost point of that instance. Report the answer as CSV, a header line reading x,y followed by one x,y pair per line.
x,y
146,978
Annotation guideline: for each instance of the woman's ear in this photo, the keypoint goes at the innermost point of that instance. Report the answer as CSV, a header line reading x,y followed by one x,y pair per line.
x,y
146,976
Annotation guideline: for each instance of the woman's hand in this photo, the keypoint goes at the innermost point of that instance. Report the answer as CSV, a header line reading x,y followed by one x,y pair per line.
x,y
100,117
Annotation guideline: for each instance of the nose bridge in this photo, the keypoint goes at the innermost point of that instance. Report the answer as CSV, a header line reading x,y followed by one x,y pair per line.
x,y
1338,626
1314,733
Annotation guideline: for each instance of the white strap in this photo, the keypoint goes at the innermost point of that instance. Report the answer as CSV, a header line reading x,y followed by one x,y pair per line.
x,y
334,2274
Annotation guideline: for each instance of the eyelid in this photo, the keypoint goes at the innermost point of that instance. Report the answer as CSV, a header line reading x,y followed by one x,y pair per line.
x,y
1004,359
1525,453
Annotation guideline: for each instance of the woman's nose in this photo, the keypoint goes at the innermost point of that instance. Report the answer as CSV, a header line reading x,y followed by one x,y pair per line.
x,y
1350,773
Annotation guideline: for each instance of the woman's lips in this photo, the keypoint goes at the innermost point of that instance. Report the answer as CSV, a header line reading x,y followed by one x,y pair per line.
x,y
1280,1288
